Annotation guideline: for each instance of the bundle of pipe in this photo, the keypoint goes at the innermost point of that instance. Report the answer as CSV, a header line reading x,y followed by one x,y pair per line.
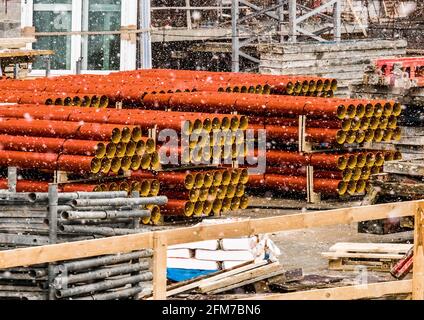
x,y
112,277
144,187
81,213
223,133
26,220
74,146
334,121
236,82
201,192
29,97
127,86
97,278
335,174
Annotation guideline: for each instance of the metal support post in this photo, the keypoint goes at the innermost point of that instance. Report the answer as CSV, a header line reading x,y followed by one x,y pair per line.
x,y
52,216
337,16
145,40
12,177
16,71
78,66
281,19
48,65
235,64
292,21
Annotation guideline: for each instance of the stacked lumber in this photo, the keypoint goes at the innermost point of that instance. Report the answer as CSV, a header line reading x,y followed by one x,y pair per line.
x,y
344,61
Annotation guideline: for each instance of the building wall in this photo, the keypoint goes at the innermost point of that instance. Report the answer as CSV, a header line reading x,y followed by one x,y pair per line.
x,y
10,18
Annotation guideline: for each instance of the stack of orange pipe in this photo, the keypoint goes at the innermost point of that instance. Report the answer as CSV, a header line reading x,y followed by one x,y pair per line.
x,y
334,121
163,81
202,192
145,188
334,173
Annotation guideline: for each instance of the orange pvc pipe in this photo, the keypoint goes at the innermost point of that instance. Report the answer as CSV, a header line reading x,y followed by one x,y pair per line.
x,y
28,160
298,184
27,186
31,144
81,164
43,128
81,187
178,208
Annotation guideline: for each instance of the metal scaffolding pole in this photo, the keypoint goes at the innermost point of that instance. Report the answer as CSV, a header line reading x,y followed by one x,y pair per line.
x,y
145,40
337,16
235,65
292,20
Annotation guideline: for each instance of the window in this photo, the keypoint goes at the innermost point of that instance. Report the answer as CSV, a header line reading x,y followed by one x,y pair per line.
x,y
54,16
102,52
99,52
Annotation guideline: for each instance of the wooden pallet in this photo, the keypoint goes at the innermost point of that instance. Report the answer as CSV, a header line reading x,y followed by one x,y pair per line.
x,y
381,257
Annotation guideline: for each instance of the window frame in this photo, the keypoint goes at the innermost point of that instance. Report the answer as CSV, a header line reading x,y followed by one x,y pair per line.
x,y
128,51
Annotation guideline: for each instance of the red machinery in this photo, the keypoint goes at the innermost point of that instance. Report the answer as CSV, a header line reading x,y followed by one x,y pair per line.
x,y
411,68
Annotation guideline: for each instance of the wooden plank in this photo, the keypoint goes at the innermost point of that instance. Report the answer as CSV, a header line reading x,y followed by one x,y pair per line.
x,y
74,250
418,268
248,227
220,275
374,290
336,255
371,247
25,53
331,47
159,267
249,281
239,278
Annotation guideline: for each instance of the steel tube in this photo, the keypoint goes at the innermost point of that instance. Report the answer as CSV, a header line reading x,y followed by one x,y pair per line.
x,y
159,200
107,214
120,294
103,261
104,231
105,285
62,281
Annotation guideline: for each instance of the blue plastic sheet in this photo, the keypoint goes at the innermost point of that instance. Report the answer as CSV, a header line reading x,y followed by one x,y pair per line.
x,y
176,274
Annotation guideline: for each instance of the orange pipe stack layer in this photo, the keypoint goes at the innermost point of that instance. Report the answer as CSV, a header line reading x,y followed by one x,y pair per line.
x,y
74,146
334,174
238,82
127,86
334,121
200,192
215,130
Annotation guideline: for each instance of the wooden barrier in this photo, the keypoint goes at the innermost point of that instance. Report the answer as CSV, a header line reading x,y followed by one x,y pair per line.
x,y
159,241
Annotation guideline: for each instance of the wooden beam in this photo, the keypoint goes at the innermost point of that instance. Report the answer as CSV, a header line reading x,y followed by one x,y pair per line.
x,y
208,286
373,290
159,267
418,268
25,53
75,250
248,227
